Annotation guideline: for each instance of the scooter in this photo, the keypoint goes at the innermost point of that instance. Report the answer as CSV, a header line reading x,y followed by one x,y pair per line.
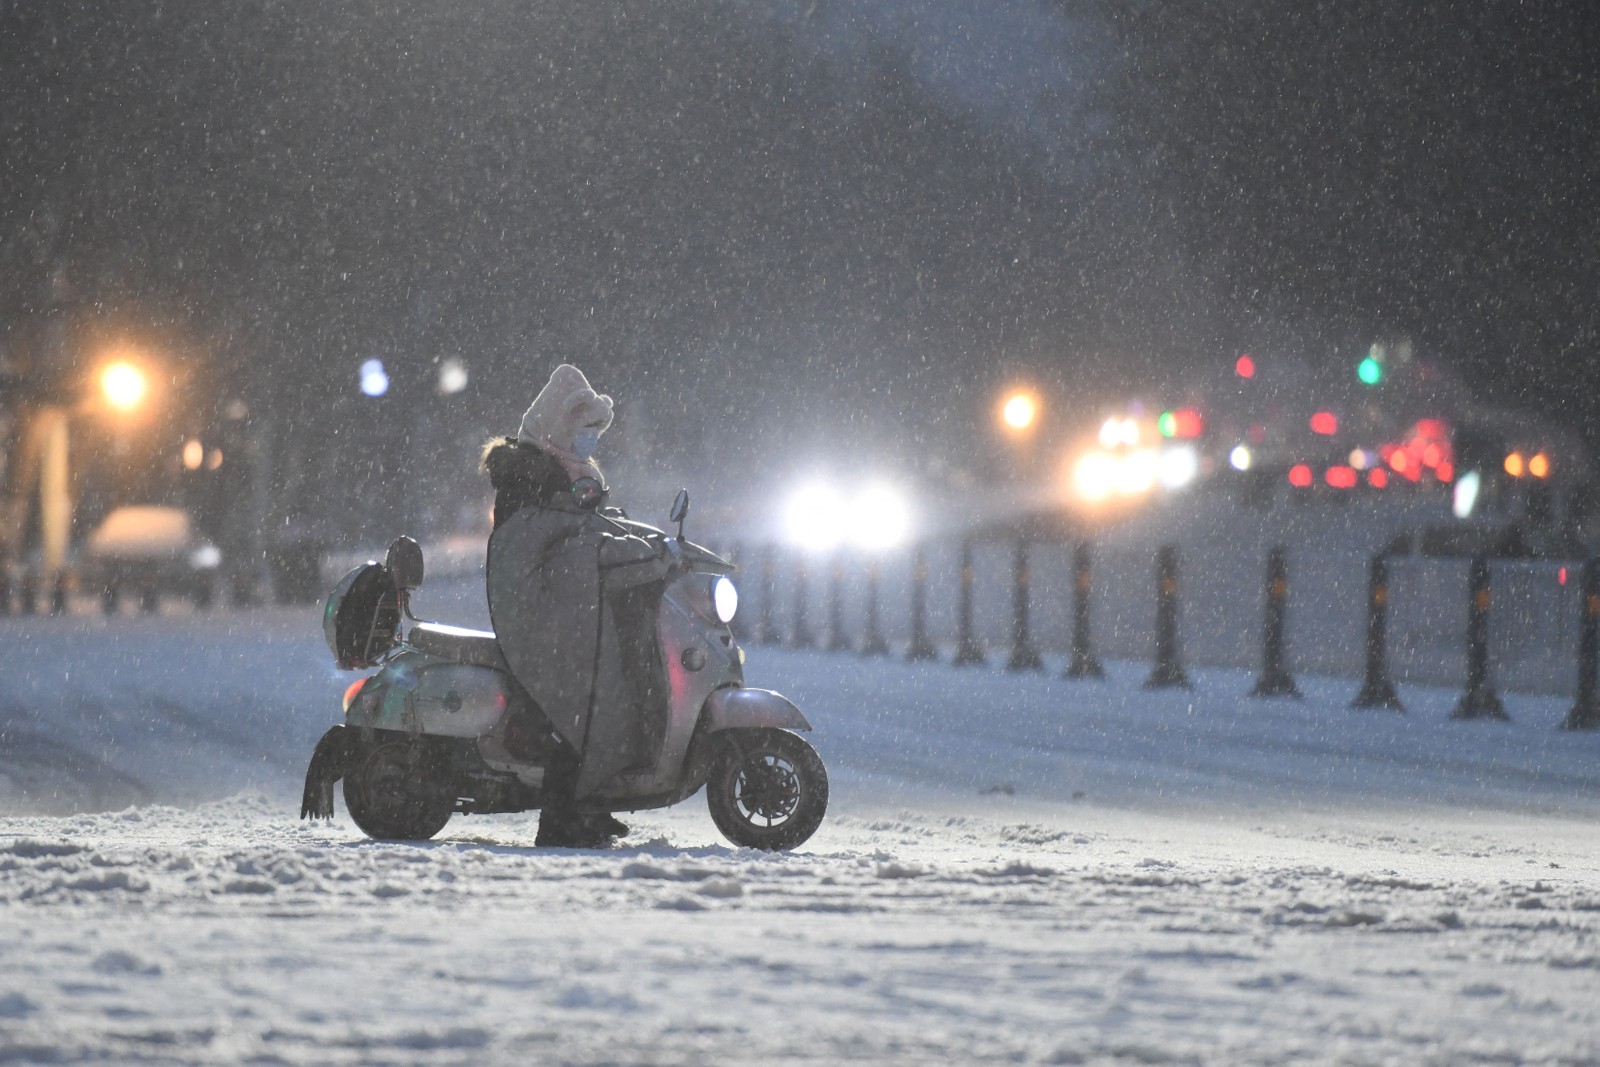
x,y
443,727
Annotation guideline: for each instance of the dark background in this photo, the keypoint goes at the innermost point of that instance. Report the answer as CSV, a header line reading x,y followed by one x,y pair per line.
x,y
778,231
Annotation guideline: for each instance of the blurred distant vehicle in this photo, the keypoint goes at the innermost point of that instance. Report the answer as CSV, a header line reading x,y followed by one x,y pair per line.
x,y
149,552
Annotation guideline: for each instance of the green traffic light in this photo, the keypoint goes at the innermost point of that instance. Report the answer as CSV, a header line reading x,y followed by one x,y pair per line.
x,y
1370,371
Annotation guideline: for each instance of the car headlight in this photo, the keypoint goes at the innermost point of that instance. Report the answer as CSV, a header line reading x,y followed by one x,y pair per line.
x,y
725,598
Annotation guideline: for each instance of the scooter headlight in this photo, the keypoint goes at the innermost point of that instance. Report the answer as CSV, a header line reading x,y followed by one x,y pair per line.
x,y
725,598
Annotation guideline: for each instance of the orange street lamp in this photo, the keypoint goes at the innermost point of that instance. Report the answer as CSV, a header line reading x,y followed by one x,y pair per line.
x,y
123,385
1019,412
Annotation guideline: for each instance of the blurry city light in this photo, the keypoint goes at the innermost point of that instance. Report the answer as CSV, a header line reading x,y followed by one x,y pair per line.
x,y
1019,411
1178,467
1465,497
1300,476
214,460
1095,476
1185,422
374,380
1244,366
194,454
1516,466
819,518
1377,477
880,518
1115,432
1137,472
452,377
815,517
1539,466
1341,477
1445,472
1240,458
123,385
1325,423
1370,371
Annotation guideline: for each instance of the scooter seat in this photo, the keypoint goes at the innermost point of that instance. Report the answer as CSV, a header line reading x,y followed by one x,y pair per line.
x,y
479,648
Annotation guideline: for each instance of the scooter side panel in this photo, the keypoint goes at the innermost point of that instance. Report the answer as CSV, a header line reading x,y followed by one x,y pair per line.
x,y
423,695
740,709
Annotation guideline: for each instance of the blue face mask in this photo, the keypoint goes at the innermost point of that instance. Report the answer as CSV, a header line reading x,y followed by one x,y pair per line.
x,y
586,443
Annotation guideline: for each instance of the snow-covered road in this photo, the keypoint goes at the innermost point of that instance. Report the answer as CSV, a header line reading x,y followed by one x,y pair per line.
x,y
1015,869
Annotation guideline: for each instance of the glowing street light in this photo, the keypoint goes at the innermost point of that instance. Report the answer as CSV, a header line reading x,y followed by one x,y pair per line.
x,y
1020,411
820,519
123,385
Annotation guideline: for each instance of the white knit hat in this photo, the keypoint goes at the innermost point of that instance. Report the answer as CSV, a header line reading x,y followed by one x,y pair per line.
x,y
564,406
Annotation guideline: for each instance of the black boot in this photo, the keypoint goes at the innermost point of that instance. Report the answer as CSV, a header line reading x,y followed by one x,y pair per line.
x,y
564,828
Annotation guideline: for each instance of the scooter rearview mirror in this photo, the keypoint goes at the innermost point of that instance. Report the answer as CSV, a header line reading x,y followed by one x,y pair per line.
x,y
680,510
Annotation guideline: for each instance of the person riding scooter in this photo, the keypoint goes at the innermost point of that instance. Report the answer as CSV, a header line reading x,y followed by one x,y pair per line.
x,y
572,595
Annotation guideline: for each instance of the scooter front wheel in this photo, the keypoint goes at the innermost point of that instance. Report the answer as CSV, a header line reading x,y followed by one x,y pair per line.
x,y
399,791
767,789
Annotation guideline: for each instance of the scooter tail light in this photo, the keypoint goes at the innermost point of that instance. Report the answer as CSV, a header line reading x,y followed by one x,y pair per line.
x,y
353,690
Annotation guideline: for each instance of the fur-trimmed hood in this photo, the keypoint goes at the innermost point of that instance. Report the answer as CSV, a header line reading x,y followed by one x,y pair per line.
x,y
522,476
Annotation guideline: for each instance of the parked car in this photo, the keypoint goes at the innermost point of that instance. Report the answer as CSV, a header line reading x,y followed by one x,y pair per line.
x,y
149,552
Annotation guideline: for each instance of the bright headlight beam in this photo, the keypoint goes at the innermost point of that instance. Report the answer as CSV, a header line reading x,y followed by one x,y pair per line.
x,y
880,518
725,597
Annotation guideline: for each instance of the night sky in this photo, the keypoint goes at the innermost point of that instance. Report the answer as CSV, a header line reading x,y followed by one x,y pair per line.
x,y
778,229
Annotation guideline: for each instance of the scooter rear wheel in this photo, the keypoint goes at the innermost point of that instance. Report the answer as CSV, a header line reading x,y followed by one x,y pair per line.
x,y
399,791
767,789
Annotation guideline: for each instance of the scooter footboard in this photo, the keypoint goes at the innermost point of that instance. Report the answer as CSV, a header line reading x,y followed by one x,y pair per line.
x,y
738,708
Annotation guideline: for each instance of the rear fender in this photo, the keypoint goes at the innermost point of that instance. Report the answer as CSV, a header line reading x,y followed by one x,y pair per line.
x,y
335,754
738,708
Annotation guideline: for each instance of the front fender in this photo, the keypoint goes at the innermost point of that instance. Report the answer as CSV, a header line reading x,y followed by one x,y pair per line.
x,y
737,708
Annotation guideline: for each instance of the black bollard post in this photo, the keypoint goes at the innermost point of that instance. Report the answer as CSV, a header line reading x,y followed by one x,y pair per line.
x,y
1275,680
30,593
5,589
968,651
873,643
767,628
58,594
1585,713
1024,657
800,632
835,639
1084,664
1377,691
1168,670
1480,700
921,648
